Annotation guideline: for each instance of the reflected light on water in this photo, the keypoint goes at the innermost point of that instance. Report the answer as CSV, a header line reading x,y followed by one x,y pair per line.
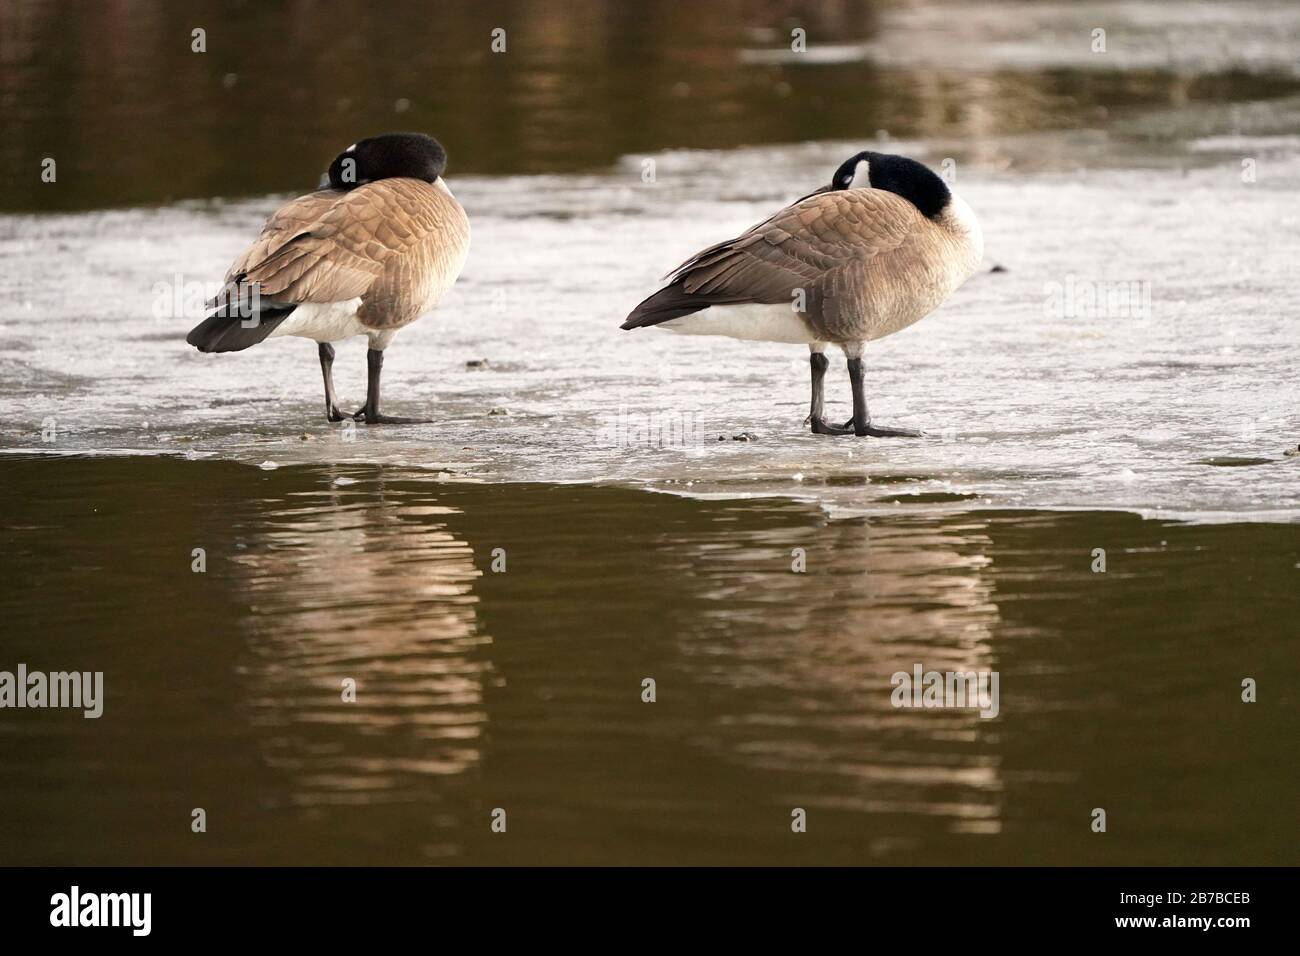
x,y
365,583
523,690
805,665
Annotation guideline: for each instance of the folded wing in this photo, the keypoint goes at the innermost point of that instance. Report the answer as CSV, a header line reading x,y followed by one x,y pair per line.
x,y
822,245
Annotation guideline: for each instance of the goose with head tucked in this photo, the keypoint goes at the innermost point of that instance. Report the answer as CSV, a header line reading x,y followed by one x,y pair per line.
x,y
872,252
366,254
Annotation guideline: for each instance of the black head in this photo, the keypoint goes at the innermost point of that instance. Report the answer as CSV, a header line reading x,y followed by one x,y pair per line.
x,y
905,177
386,157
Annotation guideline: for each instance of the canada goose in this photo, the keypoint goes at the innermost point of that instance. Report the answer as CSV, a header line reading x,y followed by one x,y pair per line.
x,y
876,250
374,248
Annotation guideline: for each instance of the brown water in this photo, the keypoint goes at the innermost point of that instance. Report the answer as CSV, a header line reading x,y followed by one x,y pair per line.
x,y
131,114
521,689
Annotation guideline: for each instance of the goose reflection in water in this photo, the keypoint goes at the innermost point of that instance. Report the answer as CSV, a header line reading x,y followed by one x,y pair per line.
x,y
364,583
805,662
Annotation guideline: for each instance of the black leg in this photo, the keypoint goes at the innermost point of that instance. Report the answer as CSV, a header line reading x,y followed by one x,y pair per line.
x,y
861,422
370,411
818,362
332,412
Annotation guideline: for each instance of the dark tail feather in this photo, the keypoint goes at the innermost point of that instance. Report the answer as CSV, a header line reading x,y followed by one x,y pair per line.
x,y
224,333
671,302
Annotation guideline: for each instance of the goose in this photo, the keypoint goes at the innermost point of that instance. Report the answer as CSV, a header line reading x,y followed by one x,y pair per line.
x,y
368,253
871,253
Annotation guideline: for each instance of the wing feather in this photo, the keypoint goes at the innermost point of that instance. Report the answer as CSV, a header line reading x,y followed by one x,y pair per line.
x,y
368,243
824,244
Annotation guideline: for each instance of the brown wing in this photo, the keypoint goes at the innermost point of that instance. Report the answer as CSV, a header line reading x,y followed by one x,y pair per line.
x,y
823,245
375,242
331,258
289,220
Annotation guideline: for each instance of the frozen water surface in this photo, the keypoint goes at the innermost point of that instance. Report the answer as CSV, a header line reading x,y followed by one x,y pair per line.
x,y
1174,393
1190,36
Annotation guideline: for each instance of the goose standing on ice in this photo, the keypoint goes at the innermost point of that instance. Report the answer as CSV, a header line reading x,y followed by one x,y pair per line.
x,y
876,250
367,254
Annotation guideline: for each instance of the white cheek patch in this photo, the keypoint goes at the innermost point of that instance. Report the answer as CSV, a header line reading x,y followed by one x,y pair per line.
x,y
861,175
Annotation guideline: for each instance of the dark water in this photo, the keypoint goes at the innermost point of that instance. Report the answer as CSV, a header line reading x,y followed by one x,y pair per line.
x,y
521,690
131,114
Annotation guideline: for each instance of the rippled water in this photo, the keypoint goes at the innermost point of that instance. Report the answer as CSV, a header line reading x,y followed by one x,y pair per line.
x,y
115,94
520,689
